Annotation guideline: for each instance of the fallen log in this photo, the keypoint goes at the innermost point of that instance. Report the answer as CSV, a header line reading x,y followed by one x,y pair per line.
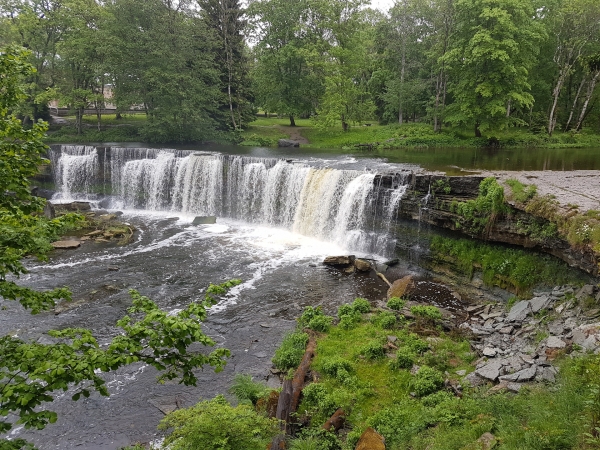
x,y
382,276
300,374
336,421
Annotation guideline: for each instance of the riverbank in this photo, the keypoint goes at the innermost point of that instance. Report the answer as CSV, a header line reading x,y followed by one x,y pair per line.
x,y
367,137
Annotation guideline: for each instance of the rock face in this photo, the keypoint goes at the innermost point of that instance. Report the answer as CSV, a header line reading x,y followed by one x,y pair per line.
x,y
287,143
400,287
204,220
66,244
73,206
438,211
370,440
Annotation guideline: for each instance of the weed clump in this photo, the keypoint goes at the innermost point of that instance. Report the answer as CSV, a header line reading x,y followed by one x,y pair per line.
x,y
290,352
427,381
315,319
396,303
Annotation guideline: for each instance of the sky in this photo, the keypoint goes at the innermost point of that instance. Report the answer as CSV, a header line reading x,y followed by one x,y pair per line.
x,y
383,5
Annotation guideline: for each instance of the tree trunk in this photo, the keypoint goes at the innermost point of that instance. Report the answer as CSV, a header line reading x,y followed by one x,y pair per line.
x,y
588,96
79,120
575,103
477,130
292,121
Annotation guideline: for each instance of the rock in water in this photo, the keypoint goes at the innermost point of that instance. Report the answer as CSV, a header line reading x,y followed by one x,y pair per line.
x,y
287,143
370,440
49,212
339,261
204,220
400,287
66,244
362,265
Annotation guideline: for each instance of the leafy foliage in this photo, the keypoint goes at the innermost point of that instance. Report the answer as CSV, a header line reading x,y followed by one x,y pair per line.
x,y
315,319
247,390
289,354
396,303
215,424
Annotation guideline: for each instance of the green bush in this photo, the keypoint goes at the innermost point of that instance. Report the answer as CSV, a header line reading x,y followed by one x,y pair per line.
x,y
336,366
396,303
373,350
316,439
215,424
246,390
361,305
315,319
349,320
427,381
385,320
405,359
415,344
429,313
399,423
290,352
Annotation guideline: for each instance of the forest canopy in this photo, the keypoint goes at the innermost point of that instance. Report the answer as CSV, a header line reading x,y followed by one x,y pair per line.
x,y
202,69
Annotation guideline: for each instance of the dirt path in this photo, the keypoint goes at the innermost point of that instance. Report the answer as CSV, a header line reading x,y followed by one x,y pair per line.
x,y
294,133
577,187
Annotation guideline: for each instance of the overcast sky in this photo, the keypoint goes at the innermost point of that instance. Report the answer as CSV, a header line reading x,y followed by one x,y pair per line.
x,y
383,5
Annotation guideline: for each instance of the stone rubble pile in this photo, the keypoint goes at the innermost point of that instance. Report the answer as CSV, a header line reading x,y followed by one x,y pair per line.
x,y
519,345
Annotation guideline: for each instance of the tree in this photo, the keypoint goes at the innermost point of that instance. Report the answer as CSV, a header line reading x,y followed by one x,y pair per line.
x,y
284,76
575,27
224,18
30,372
346,64
496,45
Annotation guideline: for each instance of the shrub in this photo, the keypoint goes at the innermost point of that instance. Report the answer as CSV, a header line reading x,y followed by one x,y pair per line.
x,y
405,359
290,352
399,423
315,319
349,320
246,390
428,313
373,350
396,303
427,381
208,425
336,366
361,305
416,345
385,320
316,439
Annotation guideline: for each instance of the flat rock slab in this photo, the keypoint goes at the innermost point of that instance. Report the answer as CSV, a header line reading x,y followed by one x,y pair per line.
x,y
490,371
400,287
539,303
66,244
554,342
521,375
519,311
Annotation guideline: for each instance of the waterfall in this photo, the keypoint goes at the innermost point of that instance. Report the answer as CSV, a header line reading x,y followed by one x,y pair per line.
x,y
341,206
75,171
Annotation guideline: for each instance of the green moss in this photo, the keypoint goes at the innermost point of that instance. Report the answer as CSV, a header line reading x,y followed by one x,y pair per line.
x,y
521,193
513,269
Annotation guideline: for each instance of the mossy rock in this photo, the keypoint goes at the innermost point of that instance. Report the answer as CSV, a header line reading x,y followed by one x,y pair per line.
x,y
371,440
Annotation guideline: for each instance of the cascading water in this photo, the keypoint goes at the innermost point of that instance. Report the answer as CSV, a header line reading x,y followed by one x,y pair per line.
x,y
338,206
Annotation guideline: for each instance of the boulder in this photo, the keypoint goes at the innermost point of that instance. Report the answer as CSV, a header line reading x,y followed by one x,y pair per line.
x,y
487,441
519,311
339,261
490,371
539,303
204,220
475,380
362,265
554,342
287,143
391,262
43,193
400,287
74,206
66,244
522,375
370,440
585,291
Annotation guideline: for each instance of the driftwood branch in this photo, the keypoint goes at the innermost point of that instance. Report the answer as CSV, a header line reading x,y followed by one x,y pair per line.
x,y
336,421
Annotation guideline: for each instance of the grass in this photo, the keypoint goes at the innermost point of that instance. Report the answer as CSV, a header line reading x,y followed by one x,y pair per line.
x,y
413,410
410,135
